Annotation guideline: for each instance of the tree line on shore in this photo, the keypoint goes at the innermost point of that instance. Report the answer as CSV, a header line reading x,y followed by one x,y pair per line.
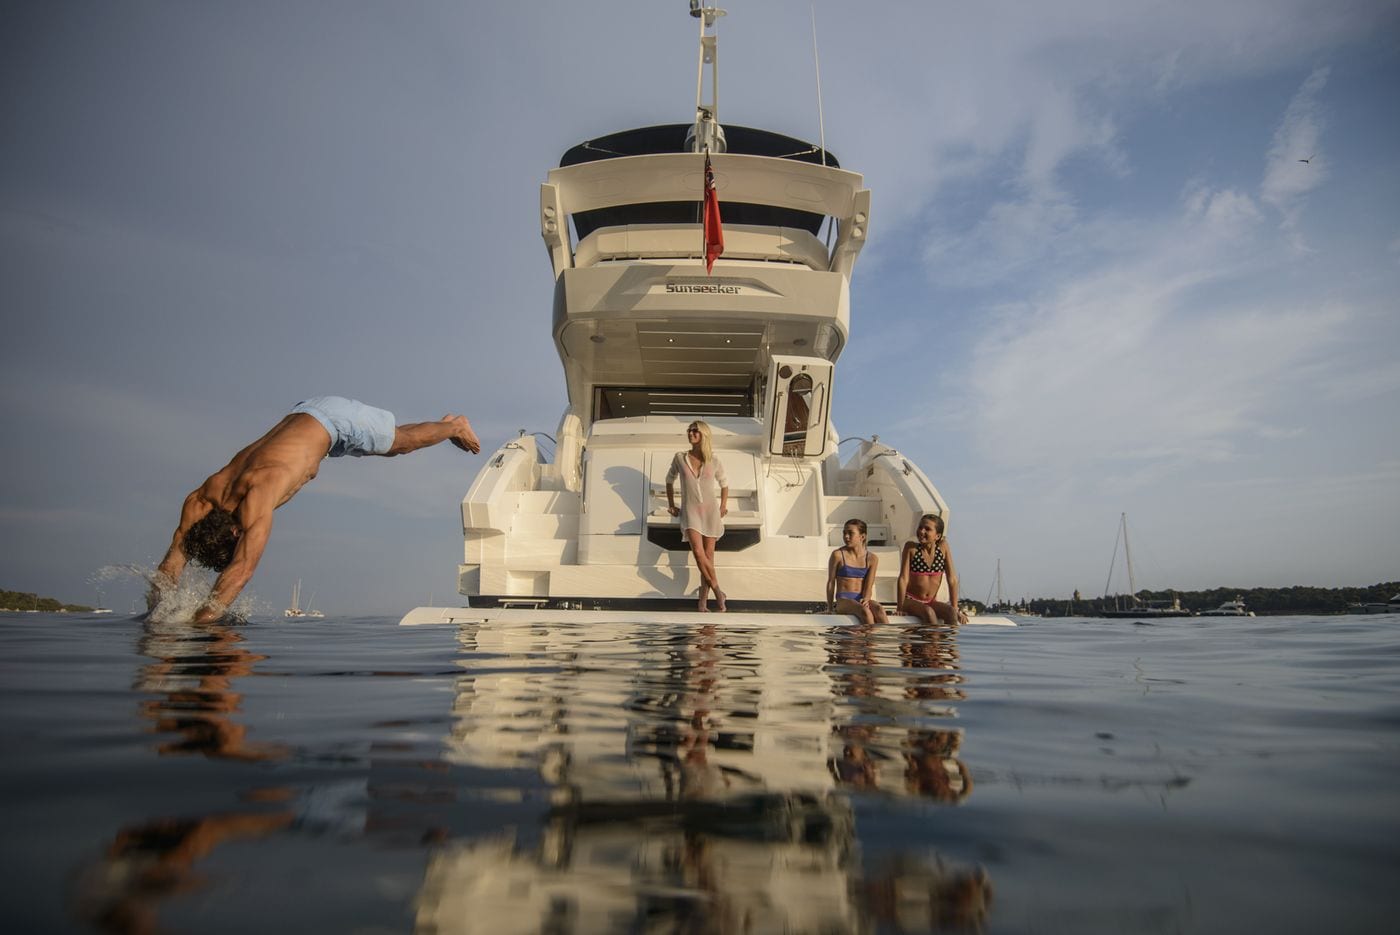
x,y
1263,601
24,600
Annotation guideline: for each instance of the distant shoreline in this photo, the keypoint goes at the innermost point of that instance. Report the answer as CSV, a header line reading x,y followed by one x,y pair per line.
x,y
19,602
1296,599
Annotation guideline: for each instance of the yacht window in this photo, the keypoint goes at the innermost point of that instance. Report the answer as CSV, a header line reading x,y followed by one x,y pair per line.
x,y
625,402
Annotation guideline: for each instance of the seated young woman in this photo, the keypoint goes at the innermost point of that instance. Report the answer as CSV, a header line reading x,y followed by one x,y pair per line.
x,y
923,564
850,577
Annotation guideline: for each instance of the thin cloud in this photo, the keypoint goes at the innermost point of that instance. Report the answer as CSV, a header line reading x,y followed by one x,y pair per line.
x,y
1134,369
1296,164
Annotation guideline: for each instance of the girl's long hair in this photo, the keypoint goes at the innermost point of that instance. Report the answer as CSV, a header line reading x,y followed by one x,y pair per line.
x,y
707,451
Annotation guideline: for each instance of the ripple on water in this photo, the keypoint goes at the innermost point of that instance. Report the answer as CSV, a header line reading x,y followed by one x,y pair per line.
x,y
349,773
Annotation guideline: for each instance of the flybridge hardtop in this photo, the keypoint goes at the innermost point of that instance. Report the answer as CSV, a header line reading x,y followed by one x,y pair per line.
x,y
651,337
676,138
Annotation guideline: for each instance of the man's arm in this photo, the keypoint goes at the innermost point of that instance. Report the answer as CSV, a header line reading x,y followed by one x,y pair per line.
x,y
168,572
415,435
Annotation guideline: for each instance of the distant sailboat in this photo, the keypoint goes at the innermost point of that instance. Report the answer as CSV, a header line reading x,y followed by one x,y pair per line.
x,y
1137,608
295,610
1002,606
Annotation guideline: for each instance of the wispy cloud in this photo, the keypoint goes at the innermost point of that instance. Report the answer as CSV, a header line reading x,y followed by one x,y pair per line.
x,y
1140,366
1296,163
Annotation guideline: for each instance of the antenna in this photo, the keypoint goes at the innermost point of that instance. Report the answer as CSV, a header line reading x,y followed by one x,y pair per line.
x,y
707,135
816,60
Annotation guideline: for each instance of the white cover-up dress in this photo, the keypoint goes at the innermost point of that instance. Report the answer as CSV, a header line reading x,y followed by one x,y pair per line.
x,y
699,494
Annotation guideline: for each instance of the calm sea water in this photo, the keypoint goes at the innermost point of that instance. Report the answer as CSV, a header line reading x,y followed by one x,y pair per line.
x,y
349,775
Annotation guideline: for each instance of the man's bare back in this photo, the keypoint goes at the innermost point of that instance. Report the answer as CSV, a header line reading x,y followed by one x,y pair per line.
x,y
269,472
282,461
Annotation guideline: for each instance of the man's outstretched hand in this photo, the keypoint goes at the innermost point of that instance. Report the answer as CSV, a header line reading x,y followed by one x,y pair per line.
x,y
462,435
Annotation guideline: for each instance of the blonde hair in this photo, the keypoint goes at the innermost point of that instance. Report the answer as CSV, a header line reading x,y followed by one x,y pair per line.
x,y
707,450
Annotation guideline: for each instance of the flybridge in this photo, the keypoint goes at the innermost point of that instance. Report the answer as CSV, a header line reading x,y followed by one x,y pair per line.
x,y
640,206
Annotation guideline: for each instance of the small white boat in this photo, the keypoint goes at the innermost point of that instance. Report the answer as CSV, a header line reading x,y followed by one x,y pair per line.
x,y
1233,608
296,610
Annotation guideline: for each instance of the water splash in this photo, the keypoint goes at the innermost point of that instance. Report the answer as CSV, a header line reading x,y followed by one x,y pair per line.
x,y
180,603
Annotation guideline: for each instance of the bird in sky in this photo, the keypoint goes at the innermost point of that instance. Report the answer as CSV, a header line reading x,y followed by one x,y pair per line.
x,y
1307,160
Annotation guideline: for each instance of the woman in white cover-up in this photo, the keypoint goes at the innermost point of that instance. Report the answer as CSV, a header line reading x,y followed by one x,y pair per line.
x,y
701,511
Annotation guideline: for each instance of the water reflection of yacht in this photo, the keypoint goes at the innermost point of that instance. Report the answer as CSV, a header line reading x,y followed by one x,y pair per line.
x,y
649,340
699,778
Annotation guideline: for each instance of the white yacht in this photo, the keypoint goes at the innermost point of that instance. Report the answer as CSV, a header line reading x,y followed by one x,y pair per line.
x,y
1391,606
1235,608
650,340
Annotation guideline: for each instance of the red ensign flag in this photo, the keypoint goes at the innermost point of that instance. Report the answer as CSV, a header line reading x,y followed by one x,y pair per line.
x,y
714,234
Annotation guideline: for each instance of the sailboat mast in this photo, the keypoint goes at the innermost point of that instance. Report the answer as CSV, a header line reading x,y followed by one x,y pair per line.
x,y
1128,553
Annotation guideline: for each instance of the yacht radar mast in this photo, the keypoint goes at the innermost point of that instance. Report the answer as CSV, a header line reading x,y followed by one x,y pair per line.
x,y
707,136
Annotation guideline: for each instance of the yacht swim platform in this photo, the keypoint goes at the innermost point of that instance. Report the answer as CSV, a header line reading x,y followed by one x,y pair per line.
x,y
423,616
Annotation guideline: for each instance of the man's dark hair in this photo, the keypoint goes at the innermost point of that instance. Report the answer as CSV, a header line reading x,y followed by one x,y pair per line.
x,y
210,541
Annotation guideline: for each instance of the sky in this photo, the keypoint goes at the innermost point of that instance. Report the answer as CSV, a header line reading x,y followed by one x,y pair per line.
x,y
1124,257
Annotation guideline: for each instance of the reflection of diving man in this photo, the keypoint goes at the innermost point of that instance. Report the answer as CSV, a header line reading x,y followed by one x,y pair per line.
x,y
155,861
195,669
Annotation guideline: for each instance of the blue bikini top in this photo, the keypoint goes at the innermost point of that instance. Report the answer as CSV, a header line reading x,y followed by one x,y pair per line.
x,y
850,571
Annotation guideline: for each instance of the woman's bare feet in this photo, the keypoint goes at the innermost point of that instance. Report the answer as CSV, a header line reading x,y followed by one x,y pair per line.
x,y
719,596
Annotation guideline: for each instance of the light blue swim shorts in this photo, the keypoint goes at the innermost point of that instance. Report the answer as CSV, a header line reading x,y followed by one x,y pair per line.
x,y
355,429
